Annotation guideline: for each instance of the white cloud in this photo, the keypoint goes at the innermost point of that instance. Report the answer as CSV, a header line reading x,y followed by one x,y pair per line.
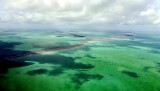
x,y
113,12
152,13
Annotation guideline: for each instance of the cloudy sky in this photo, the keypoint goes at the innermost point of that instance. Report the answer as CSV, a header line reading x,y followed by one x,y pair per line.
x,y
106,12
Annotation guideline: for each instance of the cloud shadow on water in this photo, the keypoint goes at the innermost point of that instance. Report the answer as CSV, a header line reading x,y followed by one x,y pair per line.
x,y
63,61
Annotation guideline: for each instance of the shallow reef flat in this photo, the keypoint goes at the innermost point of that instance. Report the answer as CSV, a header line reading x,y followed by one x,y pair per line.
x,y
79,61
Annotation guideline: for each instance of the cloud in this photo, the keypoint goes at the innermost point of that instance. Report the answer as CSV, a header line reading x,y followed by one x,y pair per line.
x,y
152,13
109,12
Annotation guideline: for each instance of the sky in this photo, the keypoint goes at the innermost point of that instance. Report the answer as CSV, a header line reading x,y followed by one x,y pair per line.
x,y
80,12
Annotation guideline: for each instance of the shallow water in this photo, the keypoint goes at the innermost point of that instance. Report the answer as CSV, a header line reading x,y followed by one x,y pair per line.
x,y
83,61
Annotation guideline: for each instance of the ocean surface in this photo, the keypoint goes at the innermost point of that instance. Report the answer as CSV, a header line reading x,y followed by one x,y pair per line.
x,y
59,60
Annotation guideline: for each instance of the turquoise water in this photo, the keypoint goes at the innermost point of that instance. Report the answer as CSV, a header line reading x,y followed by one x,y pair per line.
x,y
79,61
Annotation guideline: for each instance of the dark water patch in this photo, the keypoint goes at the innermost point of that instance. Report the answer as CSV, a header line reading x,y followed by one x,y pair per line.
x,y
156,67
158,64
2,89
82,70
154,51
77,35
6,49
60,36
78,57
6,64
90,56
68,86
81,78
56,71
7,52
142,58
130,73
128,34
63,61
146,68
8,45
2,76
37,72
